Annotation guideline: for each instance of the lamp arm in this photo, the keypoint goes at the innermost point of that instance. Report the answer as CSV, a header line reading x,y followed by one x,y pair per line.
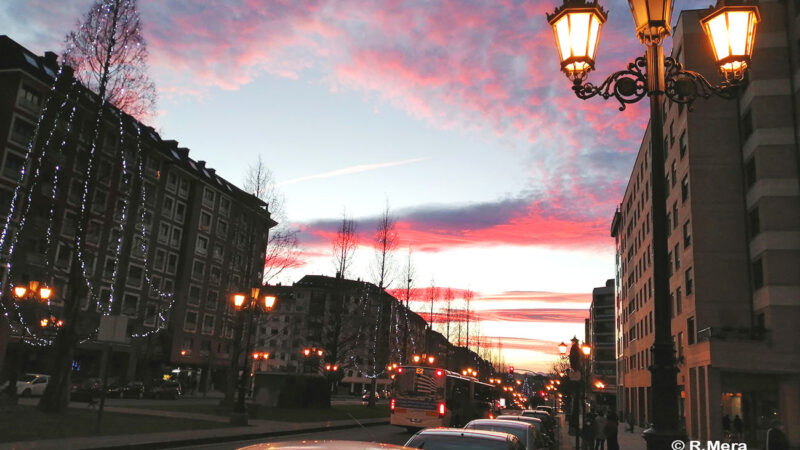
x,y
627,86
685,86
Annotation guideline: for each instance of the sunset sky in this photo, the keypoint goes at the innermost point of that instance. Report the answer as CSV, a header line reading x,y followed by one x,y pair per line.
x,y
453,112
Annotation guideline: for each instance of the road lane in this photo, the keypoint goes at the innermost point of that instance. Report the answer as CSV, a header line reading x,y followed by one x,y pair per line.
x,y
383,433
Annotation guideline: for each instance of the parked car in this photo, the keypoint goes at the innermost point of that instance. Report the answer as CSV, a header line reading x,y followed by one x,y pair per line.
x,y
30,384
463,439
314,444
366,394
541,430
169,389
86,390
525,432
547,419
132,389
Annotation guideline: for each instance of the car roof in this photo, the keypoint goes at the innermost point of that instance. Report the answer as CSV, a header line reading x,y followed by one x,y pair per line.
x,y
528,419
500,422
322,444
37,374
532,411
493,435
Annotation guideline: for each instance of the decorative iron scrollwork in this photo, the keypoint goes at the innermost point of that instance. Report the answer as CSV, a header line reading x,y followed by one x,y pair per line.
x,y
680,85
685,86
627,86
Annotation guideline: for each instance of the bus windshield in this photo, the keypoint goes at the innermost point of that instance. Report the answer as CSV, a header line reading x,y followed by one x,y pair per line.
x,y
418,383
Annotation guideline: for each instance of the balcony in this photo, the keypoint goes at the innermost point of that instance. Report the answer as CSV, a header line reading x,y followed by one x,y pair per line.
x,y
734,334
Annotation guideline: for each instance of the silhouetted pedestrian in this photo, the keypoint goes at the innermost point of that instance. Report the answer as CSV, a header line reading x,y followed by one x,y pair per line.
x,y
588,432
738,426
600,432
726,423
611,428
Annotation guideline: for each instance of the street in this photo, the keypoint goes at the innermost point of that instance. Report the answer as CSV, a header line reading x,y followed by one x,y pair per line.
x,y
384,433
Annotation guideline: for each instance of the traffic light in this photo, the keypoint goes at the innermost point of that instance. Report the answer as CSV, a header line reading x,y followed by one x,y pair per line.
x,y
511,370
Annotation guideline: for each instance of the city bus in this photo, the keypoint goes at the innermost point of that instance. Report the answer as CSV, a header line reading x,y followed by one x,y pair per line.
x,y
424,397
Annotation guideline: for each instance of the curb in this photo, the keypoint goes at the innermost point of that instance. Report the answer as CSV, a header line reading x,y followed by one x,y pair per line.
x,y
232,438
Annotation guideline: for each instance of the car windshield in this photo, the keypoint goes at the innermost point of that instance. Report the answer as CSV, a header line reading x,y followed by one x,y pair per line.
x,y
456,443
27,378
520,432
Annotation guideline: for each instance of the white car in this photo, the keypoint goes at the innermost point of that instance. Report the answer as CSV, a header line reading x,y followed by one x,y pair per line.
x,y
30,384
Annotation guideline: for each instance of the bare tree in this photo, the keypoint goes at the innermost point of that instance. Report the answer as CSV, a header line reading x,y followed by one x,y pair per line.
x,y
109,56
468,296
344,245
409,276
283,250
385,245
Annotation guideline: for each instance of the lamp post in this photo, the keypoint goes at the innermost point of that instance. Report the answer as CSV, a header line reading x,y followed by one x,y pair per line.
x,y
249,306
730,27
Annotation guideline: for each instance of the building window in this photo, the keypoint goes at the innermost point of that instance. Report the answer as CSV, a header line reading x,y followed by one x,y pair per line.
x,y
194,295
167,207
22,132
183,190
175,240
163,233
689,281
130,305
190,322
678,300
172,263
205,221
682,142
208,197
212,300
135,276
29,99
13,165
687,234
691,334
758,274
150,313
198,270
669,221
201,246
155,286
224,206
755,222
160,260
216,276
69,225
677,257
172,182
219,253
208,323
674,215
750,172
685,188
180,212
63,257
222,228
169,287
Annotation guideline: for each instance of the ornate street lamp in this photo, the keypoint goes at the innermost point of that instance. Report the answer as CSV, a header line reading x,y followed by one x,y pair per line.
x,y
577,30
730,28
248,306
562,348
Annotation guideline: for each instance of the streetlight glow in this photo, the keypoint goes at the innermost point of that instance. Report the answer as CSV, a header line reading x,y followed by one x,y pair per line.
x,y
731,31
19,291
576,25
269,302
44,292
651,19
238,300
587,350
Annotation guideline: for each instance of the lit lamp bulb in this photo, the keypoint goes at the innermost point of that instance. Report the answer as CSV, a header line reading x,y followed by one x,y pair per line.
x,y
306,351
731,29
45,292
238,300
269,302
586,350
19,291
577,25
43,322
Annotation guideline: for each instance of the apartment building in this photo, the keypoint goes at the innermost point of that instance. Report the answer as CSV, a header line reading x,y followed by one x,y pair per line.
x,y
734,212
172,257
342,318
600,336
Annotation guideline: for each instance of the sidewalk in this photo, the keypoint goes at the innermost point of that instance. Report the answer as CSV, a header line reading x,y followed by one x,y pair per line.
x,y
257,429
626,439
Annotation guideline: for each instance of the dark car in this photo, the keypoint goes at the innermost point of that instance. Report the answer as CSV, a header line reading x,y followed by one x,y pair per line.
x,y
541,430
525,432
86,390
169,389
132,389
462,439
547,419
